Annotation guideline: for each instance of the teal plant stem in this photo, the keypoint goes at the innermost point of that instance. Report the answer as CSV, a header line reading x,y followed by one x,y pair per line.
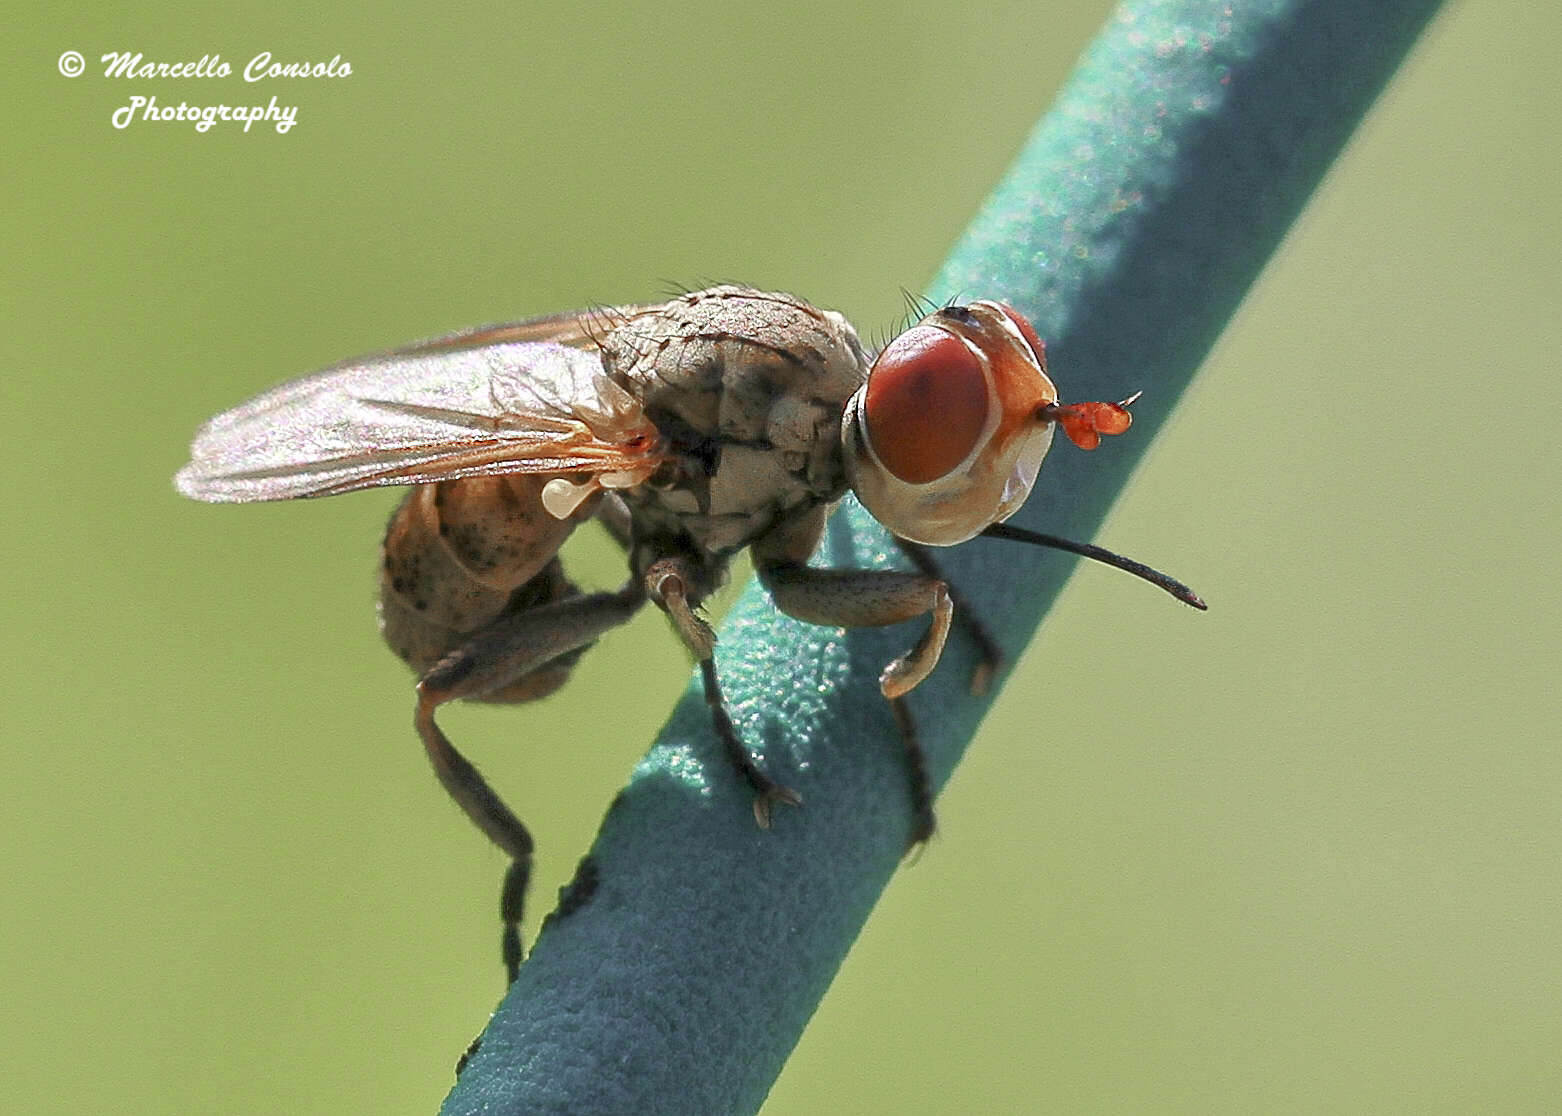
x,y
696,947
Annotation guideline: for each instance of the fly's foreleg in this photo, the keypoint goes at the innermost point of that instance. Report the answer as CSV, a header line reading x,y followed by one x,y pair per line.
x,y
873,598
668,580
923,820
989,656
512,647
868,599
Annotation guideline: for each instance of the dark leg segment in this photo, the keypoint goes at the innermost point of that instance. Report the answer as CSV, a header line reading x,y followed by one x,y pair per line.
x,y
766,790
667,581
512,904
867,599
923,821
466,785
613,514
508,650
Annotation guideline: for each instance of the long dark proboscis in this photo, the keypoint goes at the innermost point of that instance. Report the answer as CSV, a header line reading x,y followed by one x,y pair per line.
x,y
1099,554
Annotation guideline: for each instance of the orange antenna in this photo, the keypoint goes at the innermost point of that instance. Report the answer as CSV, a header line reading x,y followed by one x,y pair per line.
x,y
1084,423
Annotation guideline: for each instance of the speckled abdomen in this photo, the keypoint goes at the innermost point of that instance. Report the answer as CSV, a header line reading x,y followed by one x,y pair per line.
x,y
460,554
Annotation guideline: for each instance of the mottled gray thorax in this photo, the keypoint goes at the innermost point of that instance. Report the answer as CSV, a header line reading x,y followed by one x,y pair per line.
x,y
748,386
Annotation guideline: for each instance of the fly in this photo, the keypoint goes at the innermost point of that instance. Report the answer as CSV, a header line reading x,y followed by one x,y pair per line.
x,y
722,419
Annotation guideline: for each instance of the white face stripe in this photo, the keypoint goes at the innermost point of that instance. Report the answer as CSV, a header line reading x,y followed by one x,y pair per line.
x,y
1008,325
976,350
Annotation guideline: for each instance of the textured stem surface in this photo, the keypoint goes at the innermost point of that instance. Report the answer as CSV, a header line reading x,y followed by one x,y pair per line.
x,y
696,947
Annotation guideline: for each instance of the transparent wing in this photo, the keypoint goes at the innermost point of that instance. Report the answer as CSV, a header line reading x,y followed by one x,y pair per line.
x,y
472,404
579,329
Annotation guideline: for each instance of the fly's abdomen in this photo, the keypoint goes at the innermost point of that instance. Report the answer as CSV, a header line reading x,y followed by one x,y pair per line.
x,y
457,556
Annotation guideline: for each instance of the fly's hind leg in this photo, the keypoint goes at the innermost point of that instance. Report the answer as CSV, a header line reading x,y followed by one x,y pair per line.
x,y
518,647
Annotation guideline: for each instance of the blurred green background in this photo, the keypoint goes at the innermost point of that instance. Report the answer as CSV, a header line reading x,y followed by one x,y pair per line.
x,y
1311,862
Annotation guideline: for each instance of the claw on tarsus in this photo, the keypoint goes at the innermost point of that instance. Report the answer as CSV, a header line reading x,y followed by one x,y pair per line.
x,y
765,796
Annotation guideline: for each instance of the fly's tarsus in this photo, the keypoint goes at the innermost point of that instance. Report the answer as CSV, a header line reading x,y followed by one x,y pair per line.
x,y
924,822
767,792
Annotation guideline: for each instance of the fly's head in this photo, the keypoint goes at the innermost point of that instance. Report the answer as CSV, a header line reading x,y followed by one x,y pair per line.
x,y
947,434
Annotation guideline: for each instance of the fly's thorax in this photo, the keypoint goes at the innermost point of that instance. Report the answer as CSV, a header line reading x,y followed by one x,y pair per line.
x,y
748,387
458,554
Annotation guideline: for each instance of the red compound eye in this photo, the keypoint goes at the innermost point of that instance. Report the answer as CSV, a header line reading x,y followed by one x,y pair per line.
x,y
926,404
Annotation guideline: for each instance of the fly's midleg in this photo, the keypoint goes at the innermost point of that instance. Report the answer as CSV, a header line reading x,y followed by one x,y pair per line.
x,y
672,581
669,582
766,790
